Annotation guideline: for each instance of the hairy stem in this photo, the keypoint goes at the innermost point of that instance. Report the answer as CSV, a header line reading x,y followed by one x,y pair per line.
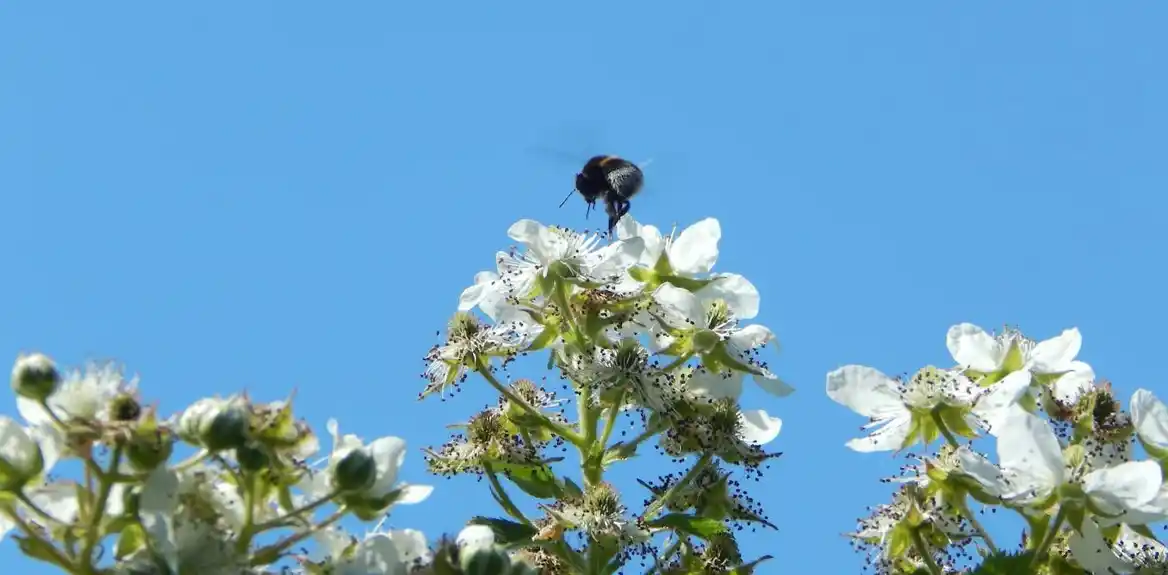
x,y
970,516
105,485
560,430
677,487
924,551
1048,540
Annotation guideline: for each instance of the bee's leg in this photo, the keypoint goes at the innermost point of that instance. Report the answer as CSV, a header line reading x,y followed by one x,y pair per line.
x,y
616,209
591,205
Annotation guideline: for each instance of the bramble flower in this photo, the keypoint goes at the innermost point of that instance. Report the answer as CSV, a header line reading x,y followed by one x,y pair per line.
x,y
709,327
981,354
692,253
904,412
367,474
1036,471
82,395
721,428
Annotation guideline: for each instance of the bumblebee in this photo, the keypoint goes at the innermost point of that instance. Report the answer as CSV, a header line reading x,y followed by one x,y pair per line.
x,y
611,179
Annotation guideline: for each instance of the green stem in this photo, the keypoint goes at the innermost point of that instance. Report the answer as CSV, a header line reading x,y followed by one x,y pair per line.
x,y
29,503
193,460
247,492
589,417
45,405
613,414
677,487
924,552
307,507
271,553
659,562
945,430
676,363
560,430
977,526
55,555
504,499
1048,539
106,484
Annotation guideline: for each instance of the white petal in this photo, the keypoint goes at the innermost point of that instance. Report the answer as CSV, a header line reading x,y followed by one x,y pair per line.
x,y
33,412
411,545
739,294
59,500
758,428
376,555
525,231
615,258
997,404
413,494
771,384
888,438
1070,386
1057,353
981,470
475,537
156,507
1154,511
865,391
696,248
1092,552
751,337
973,348
704,383
1124,486
1150,417
482,290
1030,454
388,452
683,308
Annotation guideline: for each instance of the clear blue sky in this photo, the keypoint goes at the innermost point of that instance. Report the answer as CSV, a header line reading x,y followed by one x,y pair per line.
x,y
278,194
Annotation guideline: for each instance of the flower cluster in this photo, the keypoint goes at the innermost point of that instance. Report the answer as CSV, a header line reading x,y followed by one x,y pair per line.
x,y
1066,462
246,500
639,327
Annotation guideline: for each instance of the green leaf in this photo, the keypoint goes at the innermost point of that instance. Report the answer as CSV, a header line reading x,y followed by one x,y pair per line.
x,y
702,527
535,479
133,538
1006,564
570,488
506,532
748,568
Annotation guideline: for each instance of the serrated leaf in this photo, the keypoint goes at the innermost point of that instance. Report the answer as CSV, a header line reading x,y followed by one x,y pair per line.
x,y
535,479
506,532
748,568
702,527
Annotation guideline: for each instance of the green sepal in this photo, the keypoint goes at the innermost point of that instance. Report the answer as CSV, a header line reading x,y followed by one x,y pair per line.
x,y
953,418
914,430
702,527
131,539
545,337
748,568
688,284
899,541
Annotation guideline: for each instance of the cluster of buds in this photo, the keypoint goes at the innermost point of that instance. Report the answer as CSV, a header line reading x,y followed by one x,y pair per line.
x,y
1066,462
639,329
246,499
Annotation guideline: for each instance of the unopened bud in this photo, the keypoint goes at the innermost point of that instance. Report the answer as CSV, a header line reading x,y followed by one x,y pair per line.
x,y
20,456
477,553
252,457
35,376
214,423
355,472
150,448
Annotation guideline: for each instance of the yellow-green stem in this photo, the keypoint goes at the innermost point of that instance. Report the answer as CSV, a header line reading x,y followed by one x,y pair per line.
x,y
923,550
677,487
93,531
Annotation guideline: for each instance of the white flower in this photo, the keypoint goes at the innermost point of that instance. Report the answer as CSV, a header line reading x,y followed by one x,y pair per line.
x,y
714,310
890,405
693,252
581,254
387,455
392,552
21,459
469,341
974,349
1032,462
82,395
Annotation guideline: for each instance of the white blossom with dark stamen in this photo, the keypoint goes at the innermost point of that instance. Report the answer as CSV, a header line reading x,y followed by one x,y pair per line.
x,y
627,367
974,349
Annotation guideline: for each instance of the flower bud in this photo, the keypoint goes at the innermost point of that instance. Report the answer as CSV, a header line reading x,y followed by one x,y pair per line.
x,y
35,376
125,407
477,553
20,456
149,448
252,457
355,472
214,423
